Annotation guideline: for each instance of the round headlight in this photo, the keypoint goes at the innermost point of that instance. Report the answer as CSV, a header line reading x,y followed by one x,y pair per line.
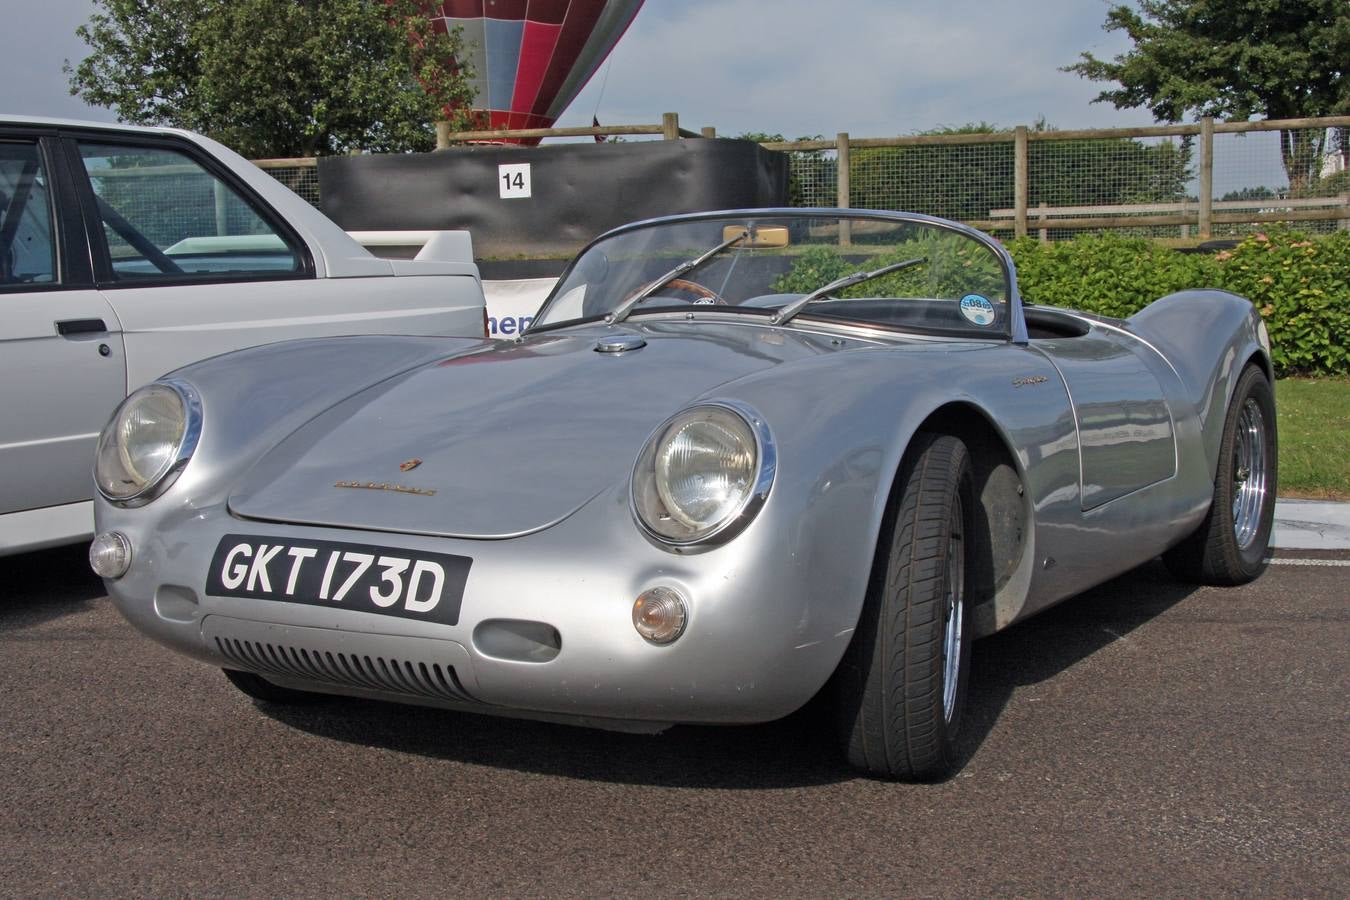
x,y
700,472
152,433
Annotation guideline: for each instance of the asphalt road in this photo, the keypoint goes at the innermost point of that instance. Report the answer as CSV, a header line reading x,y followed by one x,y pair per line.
x,y
1146,738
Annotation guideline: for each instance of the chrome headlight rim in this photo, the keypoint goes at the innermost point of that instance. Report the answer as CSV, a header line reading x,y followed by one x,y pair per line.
x,y
732,524
187,445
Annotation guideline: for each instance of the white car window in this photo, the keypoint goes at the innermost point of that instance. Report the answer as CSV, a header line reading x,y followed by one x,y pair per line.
x,y
165,217
27,254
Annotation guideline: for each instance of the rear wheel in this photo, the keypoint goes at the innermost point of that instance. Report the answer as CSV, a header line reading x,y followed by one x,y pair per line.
x,y
260,688
1230,545
902,684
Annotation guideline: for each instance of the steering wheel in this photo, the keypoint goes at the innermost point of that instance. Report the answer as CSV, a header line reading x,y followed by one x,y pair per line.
x,y
704,296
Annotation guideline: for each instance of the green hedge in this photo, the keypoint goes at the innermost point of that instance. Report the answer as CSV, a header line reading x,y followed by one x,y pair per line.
x,y
1301,285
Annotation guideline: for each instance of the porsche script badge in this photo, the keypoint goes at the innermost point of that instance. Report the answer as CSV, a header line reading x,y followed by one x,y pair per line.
x,y
385,486
409,465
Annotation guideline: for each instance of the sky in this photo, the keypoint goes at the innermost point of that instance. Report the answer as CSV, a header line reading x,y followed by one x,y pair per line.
x,y
873,68
869,67
795,67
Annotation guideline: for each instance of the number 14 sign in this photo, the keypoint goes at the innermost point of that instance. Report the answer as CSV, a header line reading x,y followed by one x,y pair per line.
x,y
513,181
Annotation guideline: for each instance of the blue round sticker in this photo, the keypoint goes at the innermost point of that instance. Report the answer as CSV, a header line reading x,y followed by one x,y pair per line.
x,y
977,310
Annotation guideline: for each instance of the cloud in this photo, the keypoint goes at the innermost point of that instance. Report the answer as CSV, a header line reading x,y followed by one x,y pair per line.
x,y
32,48
870,67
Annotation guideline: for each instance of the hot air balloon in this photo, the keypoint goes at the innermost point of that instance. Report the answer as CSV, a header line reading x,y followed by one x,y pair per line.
x,y
532,57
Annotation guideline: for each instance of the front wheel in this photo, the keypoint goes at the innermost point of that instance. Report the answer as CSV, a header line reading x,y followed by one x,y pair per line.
x,y
1230,545
902,683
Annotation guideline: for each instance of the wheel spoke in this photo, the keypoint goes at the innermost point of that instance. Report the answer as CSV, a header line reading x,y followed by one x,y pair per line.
x,y
955,612
1249,473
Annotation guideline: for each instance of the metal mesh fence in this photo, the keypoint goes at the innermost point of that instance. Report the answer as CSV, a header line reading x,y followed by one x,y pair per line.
x,y
813,178
1291,172
1082,178
954,181
1109,178
300,175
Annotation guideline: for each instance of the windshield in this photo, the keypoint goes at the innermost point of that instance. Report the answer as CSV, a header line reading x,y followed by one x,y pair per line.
x,y
886,272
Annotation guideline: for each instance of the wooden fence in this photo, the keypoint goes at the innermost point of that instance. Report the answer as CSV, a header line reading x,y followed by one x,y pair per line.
x,y
1196,216
1200,214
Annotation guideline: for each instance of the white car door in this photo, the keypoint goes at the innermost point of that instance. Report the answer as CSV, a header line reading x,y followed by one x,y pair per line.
x,y
196,264
62,367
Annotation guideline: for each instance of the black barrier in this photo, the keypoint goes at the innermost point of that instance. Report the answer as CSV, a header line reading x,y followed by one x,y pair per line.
x,y
547,201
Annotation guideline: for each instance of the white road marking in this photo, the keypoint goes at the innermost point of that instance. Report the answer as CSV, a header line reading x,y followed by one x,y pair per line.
x,y
1308,562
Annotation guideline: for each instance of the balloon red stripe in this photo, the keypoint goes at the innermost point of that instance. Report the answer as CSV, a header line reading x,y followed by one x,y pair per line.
x,y
536,49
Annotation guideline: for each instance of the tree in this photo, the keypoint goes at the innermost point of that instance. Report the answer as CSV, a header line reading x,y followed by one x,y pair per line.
x,y
1250,193
1234,58
277,78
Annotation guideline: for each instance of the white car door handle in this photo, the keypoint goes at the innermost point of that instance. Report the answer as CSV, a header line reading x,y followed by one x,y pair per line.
x,y
81,326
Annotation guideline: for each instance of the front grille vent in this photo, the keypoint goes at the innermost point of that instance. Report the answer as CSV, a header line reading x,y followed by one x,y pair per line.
x,y
375,673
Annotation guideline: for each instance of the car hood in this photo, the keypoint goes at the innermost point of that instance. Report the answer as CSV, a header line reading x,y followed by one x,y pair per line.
x,y
503,440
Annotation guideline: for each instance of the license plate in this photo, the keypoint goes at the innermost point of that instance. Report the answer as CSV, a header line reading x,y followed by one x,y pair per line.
x,y
390,581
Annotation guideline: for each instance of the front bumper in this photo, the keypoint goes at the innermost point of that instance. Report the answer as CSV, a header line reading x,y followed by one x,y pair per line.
x,y
763,633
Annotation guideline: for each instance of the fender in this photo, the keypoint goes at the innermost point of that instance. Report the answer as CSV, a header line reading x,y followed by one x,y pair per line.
x,y
1208,337
895,391
253,398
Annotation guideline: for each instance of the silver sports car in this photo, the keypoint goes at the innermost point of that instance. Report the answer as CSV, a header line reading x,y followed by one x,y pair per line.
x,y
740,459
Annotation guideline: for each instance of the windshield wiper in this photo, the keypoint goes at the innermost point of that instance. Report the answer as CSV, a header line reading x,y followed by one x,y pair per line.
x,y
796,306
623,309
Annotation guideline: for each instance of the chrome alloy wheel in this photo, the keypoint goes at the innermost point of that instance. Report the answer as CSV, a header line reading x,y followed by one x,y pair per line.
x,y
955,611
1249,473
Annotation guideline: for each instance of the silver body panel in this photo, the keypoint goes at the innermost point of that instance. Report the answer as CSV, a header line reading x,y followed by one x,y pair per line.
x,y
535,490
58,390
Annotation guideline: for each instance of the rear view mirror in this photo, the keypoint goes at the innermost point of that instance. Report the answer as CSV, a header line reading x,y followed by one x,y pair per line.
x,y
767,236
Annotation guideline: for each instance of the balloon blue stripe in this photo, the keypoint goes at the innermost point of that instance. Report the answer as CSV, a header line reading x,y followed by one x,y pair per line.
x,y
503,55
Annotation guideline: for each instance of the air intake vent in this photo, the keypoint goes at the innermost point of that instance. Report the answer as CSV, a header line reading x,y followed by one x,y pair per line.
x,y
413,667
371,672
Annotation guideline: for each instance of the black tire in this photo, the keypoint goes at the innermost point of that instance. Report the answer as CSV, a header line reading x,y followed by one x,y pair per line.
x,y
1230,546
899,706
260,688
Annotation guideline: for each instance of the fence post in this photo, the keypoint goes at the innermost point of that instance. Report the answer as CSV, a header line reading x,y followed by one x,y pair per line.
x,y
1020,181
1344,224
442,135
1206,176
843,198
222,199
1045,232
708,132
670,126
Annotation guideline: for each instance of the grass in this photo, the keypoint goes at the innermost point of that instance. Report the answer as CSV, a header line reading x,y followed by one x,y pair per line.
x,y
1314,423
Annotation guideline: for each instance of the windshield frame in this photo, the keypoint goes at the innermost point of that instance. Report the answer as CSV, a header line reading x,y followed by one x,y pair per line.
x,y
1015,329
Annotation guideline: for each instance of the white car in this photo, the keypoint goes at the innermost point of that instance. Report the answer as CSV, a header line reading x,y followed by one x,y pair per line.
x,y
128,252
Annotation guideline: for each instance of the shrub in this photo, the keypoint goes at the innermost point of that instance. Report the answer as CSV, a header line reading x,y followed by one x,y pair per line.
x,y
953,265
1300,284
